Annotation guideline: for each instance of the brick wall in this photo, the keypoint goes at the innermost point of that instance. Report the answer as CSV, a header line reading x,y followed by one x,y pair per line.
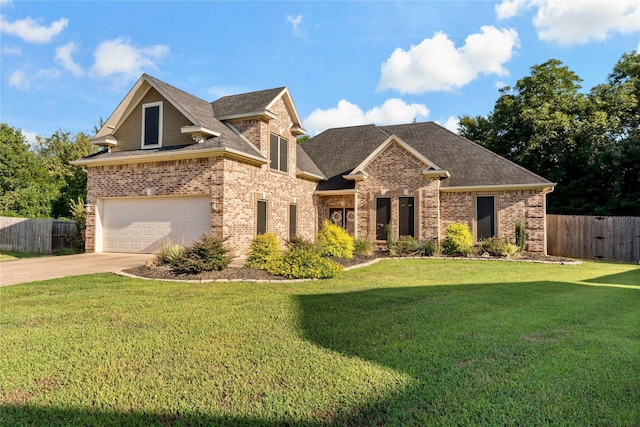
x,y
526,206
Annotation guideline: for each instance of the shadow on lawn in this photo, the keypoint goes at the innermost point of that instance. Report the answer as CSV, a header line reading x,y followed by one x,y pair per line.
x,y
477,354
456,342
631,277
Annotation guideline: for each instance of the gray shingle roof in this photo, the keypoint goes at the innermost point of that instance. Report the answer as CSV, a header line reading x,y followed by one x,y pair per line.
x,y
245,102
305,164
338,151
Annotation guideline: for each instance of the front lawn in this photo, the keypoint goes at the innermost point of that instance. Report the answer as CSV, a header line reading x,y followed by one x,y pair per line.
x,y
402,342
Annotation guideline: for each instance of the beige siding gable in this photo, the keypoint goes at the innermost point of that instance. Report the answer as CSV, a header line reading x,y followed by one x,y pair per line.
x,y
129,134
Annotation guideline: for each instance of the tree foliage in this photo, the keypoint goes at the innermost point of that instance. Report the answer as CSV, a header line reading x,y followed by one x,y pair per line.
x,y
38,181
588,143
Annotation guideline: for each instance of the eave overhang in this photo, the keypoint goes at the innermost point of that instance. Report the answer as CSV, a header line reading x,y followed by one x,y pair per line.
x,y
263,115
105,141
547,188
174,155
199,133
309,176
335,192
432,173
358,176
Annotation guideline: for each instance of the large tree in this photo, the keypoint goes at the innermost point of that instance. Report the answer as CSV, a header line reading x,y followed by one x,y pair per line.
x,y
586,143
25,187
38,181
55,153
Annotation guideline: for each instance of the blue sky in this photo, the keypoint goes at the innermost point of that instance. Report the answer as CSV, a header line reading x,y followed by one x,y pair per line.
x,y
64,65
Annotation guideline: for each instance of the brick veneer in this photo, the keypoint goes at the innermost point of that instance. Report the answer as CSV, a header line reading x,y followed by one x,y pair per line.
x,y
527,206
396,173
234,187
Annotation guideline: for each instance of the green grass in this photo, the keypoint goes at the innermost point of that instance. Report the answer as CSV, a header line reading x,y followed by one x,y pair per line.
x,y
407,342
12,256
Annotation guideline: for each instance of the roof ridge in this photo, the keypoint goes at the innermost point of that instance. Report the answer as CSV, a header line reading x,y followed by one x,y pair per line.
x,y
281,88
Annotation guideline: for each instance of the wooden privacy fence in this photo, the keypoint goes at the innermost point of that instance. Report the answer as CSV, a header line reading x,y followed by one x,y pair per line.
x,y
42,236
606,238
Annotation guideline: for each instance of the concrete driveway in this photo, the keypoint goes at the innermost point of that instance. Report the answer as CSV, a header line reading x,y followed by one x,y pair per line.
x,y
32,269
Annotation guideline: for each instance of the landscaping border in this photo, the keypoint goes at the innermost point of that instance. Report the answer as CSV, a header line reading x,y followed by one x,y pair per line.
x,y
364,264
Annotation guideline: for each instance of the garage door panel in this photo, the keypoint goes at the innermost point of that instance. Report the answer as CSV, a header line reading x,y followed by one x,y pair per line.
x,y
140,224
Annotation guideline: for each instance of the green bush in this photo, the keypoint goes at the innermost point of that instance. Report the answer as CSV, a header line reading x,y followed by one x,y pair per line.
x,y
405,245
521,236
299,242
494,246
362,246
264,253
334,241
428,248
168,252
299,263
207,254
459,241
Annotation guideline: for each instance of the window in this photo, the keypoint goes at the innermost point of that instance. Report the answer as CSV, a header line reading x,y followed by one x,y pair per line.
x,y
486,218
293,221
406,216
262,217
152,125
278,153
383,217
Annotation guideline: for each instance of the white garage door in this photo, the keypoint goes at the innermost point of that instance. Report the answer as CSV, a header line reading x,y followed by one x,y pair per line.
x,y
139,224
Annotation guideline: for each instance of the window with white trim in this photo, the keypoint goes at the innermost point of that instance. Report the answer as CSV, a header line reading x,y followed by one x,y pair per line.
x,y
278,153
152,125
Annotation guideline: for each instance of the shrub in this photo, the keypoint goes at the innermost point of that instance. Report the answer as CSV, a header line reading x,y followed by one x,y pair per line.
x,y
494,246
511,250
168,252
362,246
459,241
298,263
521,236
207,254
334,241
299,242
264,253
428,248
405,245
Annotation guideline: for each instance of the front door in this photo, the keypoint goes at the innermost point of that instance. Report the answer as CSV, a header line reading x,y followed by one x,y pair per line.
x,y
383,217
344,217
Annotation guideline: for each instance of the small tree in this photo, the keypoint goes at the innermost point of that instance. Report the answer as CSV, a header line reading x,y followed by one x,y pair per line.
x,y
521,236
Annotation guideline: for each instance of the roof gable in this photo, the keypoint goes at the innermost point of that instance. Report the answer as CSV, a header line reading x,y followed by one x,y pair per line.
x,y
257,104
393,139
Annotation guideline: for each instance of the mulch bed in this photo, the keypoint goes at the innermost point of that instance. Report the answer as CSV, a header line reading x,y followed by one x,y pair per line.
x,y
249,274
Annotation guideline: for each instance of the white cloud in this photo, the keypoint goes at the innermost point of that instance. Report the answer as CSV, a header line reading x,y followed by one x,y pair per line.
x,y
21,81
451,123
30,31
63,56
393,111
296,27
436,64
18,80
119,57
11,50
576,22
500,84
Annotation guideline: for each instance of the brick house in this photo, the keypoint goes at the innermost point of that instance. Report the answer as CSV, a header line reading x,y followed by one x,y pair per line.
x,y
173,166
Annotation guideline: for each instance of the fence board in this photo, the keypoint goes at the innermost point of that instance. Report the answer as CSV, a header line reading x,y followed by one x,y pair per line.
x,y
594,237
41,236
